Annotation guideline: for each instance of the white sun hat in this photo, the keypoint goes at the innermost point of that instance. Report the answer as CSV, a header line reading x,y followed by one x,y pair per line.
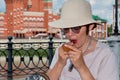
x,y
74,13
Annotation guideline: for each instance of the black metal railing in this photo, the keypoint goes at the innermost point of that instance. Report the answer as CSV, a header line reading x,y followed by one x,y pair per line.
x,y
26,58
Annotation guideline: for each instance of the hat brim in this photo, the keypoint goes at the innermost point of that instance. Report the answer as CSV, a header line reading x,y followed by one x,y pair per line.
x,y
69,23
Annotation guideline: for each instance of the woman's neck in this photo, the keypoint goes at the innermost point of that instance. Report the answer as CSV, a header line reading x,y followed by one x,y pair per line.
x,y
86,45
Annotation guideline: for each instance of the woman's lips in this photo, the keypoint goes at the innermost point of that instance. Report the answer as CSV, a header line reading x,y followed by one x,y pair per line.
x,y
73,41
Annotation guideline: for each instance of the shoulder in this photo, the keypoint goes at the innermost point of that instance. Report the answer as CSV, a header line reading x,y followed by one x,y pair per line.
x,y
102,45
104,49
108,63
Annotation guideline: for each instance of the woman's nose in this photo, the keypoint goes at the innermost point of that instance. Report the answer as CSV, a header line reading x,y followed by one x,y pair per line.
x,y
70,32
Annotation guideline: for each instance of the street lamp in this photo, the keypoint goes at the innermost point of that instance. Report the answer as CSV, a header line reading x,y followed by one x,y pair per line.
x,y
116,19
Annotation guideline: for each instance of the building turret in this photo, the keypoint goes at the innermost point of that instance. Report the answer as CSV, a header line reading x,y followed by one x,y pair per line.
x,y
14,13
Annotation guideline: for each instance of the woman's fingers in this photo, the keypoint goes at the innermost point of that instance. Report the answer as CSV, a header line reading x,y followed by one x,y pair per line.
x,y
71,47
76,58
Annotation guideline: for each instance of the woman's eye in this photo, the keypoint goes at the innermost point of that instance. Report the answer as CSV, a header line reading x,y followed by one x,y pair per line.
x,y
76,28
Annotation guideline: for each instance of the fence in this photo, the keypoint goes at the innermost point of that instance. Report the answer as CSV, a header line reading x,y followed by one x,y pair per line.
x,y
21,59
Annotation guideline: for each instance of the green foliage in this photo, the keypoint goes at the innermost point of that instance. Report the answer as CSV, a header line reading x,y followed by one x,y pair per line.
x,y
109,29
26,52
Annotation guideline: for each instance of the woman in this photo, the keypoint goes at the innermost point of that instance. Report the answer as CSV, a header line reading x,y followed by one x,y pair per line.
x,y
90,59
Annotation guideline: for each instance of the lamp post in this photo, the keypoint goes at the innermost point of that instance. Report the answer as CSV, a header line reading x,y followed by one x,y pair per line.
x,y
116,19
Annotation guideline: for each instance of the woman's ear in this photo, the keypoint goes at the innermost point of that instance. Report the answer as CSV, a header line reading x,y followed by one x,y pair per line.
x,y
91,27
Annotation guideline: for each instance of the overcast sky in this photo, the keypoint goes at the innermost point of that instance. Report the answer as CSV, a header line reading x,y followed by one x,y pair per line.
x,y
101,8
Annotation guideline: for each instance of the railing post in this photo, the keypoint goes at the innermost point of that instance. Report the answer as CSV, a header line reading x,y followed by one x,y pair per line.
x,y
50,54
10,58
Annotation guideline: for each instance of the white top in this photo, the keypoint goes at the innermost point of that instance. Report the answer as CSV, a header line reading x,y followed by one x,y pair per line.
x,y
102,63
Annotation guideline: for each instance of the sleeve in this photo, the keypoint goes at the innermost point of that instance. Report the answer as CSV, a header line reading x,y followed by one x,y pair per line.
x,y
55,58
109,68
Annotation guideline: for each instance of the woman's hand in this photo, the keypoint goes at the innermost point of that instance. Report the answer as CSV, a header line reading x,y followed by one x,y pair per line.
x,y
62,56
76,57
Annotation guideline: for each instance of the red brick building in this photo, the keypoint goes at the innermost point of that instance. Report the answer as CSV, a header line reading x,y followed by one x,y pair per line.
x,y
26,18
29,19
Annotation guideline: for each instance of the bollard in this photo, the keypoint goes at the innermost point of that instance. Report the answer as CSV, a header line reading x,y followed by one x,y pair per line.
x,y
50,53
10,58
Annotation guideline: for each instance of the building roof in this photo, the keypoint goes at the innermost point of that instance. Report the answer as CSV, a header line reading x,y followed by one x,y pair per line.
x,y
98,18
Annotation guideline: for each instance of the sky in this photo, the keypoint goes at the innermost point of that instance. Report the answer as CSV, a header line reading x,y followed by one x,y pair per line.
x,y
2,6
100,8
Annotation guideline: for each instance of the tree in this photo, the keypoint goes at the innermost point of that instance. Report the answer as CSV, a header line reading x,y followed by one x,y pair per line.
x,y
109,30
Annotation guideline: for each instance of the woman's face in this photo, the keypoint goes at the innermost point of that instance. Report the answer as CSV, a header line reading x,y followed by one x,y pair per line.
x,y
76,35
